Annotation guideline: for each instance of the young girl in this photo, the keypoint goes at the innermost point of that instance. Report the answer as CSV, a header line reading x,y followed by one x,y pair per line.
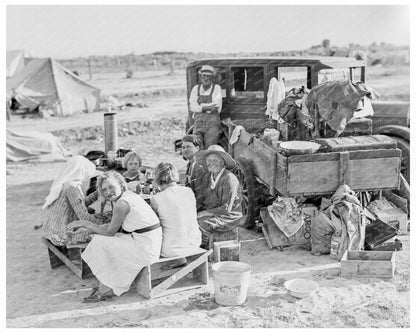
x,y
132,162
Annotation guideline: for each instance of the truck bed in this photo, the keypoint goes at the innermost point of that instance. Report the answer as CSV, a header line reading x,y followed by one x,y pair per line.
x,y
319,173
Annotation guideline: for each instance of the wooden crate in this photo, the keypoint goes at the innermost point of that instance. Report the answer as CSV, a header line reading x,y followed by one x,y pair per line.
x,y
227,251
379,264
396,218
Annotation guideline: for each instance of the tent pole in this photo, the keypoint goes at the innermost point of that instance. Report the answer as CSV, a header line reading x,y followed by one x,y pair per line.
x,y
56,86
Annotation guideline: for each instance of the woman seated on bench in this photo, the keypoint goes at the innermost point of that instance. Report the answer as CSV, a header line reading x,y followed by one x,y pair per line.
x,y
119,250
66,202
176,207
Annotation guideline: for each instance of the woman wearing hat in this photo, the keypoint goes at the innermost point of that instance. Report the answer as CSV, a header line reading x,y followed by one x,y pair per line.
x,y
220,193
206,103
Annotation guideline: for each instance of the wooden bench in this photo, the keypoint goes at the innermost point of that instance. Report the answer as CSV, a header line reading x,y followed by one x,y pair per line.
x,y
70,256
158,279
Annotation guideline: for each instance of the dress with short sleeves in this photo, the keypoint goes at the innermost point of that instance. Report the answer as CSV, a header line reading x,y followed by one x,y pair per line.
x,y
116,260
176,208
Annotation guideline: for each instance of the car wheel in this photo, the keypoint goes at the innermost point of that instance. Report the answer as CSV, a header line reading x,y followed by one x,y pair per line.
x,y
250,207
404,146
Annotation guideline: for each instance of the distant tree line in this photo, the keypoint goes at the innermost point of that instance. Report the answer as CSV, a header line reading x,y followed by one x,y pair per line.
x,y
380,54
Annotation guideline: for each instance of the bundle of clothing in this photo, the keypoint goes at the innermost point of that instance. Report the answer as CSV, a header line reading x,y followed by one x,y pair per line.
x,y
336,102
339,226
293,108
287,215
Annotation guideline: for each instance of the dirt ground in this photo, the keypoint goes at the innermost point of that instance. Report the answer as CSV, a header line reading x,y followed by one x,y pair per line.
x,y
38,296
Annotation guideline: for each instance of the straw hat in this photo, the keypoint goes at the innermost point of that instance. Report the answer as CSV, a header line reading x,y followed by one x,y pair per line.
x,y
218,150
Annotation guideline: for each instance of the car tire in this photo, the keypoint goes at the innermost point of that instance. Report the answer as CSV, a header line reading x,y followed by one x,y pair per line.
x,y
404,146
250,206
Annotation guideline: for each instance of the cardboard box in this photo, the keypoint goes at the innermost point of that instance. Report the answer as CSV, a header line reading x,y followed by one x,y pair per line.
x,y
396,218
380,264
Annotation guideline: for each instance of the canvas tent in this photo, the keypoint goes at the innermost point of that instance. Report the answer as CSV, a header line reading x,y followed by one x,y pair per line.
x,y
15,61
46,82
32,145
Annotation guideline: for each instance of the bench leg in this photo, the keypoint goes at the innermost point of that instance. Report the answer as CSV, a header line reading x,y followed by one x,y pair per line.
x,y
144,282
201,272
85,270
160,288
54,260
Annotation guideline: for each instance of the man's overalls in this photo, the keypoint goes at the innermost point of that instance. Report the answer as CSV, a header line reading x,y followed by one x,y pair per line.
x,y
207,125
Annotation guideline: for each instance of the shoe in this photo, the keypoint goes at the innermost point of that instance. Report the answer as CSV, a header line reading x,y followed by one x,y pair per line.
x,y
96,297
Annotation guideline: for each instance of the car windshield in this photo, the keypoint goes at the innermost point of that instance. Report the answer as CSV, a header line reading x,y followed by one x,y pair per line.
x,y
334,74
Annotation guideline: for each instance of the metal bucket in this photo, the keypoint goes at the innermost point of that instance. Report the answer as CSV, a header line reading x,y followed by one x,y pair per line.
x,y
231,279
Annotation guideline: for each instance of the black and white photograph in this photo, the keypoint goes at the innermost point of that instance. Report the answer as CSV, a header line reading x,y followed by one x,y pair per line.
x,y
207,165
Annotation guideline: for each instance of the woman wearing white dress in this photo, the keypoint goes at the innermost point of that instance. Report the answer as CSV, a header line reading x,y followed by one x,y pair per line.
x,y
119,250
176,207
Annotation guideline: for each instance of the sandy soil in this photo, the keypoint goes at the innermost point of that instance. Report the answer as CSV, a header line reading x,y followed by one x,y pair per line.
x,y
40,297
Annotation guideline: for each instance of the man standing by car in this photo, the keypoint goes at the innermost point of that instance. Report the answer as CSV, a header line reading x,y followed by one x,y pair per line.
x,y
206,103
195,171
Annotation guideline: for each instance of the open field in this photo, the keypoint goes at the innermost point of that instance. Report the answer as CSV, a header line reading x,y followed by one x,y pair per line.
x,y
40,297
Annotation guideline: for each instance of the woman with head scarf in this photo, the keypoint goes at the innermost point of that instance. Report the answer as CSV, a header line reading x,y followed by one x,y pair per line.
x,y
66,202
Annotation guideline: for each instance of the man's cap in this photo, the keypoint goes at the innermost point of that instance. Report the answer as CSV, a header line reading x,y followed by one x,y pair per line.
x,y
207,70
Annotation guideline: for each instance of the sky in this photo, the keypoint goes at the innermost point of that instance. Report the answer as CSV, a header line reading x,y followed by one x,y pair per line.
x,y
83,30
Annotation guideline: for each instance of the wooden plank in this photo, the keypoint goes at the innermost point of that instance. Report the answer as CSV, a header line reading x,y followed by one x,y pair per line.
x,y
201,272
77,246
266,236
354,155
323,177
77,270
375,173
180,274
259,152
370,255
166,259
344,174
310,177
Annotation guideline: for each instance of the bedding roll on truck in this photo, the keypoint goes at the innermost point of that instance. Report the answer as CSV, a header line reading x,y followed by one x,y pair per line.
x,y
301,127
